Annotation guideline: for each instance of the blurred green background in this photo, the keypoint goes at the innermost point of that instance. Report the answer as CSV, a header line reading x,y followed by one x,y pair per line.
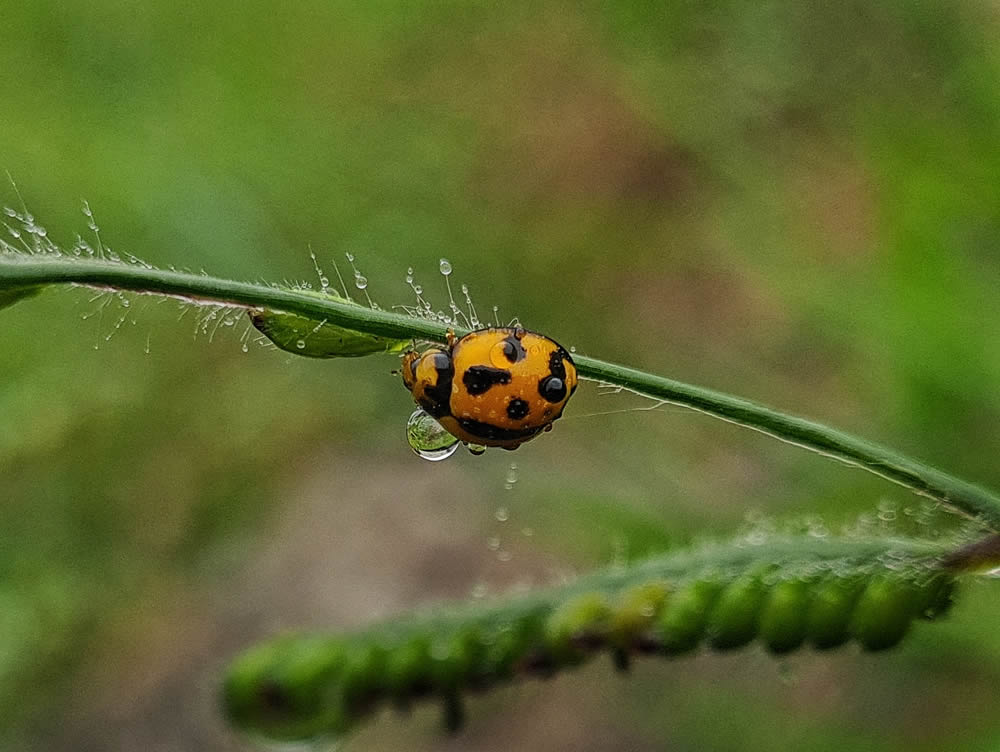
x,y
793,201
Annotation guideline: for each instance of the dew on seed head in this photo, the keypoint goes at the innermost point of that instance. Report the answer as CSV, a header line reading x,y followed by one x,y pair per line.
x,y
445,266
428,438
360,281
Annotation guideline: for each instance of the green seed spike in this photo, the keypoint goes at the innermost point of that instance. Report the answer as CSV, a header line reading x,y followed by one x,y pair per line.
x,y
681,622
784,591
782,619
732,622
830,609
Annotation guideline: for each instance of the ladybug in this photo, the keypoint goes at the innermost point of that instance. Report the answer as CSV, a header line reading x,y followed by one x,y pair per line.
x,y
493,387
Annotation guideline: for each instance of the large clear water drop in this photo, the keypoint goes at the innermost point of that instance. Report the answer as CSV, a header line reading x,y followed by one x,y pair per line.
x,y
428,438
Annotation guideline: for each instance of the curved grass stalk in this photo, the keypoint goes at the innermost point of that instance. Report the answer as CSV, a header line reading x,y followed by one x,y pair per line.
x,y
27,271
22,271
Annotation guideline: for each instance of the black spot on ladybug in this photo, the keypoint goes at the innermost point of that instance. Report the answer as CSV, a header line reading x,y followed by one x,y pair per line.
x,y
556,366
442,362
517,409
513,350
438,397
478,379
494,433
552,388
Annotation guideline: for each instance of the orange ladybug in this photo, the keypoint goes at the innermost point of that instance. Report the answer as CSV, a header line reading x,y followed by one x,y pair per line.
x,y
493,387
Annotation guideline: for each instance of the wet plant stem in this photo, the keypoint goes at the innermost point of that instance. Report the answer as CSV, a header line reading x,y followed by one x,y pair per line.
x,y
18,271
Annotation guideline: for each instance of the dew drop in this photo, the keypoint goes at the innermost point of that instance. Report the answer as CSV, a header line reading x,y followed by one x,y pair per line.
x,y
350,257
301,344
493,543
9,212
418,290
476,449
445,266
428,438
572,348
360,281
502,514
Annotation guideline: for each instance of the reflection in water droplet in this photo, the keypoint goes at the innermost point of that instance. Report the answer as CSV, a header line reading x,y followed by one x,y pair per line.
x,y
502,514
428,438
445,266
475,449
360,281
